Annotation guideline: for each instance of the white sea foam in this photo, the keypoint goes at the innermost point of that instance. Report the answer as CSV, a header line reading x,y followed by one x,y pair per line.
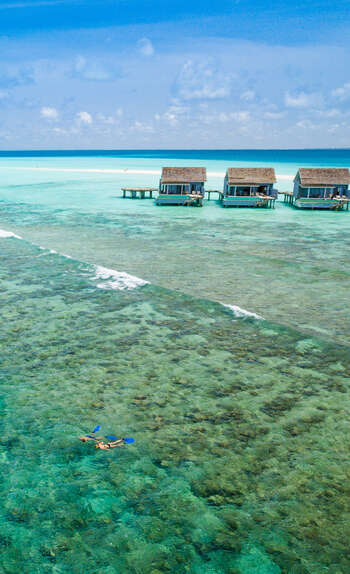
x,y
124,171
4,234
239,312
116,279
111,279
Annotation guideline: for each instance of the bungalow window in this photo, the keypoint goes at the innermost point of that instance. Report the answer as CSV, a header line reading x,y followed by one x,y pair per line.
x,y
316,192
173,189
242,191
196,187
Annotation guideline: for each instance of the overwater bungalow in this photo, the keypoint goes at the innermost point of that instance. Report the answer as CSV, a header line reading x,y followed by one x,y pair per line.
x,y
321,188
249,187
182,186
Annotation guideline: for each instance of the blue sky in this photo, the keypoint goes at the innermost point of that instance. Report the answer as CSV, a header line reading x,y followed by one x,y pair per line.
x,y
131,74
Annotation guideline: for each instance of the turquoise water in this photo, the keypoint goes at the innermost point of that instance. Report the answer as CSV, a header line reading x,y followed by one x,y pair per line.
x,y
241,463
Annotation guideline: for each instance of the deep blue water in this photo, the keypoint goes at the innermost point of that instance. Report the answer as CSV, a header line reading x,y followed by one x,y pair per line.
x,y
333,157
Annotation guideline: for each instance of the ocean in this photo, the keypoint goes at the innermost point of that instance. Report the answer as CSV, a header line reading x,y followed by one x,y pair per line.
x,y
217,338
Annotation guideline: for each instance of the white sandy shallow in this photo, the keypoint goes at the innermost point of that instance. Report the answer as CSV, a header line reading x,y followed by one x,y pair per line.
x,y
125,171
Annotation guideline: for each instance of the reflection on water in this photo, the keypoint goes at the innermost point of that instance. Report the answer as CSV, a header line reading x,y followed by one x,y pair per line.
x,y
240,465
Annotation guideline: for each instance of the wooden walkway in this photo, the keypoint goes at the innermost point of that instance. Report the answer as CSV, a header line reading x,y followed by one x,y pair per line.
x,y
288,197
139,192
208,193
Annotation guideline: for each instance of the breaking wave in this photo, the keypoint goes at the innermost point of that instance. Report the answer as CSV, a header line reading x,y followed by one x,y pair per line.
x,y
112,279
241,313
5,234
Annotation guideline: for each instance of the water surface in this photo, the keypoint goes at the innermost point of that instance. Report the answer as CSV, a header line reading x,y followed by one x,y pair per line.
x,y
240,463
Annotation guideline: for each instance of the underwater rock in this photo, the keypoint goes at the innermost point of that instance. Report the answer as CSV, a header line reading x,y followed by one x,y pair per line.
x,y
97,405
279,405
308,346
254,560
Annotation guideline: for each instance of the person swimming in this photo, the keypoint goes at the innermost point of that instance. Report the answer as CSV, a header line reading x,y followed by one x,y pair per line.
x,y
88,437
113,440
114,443
107,445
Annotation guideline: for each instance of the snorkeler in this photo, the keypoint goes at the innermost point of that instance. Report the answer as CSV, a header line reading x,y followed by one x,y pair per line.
x,y
114,444
114,441
90,437
108,445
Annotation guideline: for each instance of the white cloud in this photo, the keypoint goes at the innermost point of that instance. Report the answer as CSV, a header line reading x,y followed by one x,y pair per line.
x,y
142,127
84,118
273,115
241,117
146,47
335,127
49,113
60,131
342,93
306,124
248,96
168,117
32,4
301,100
93,69
108,120
331,113
199,81
174,114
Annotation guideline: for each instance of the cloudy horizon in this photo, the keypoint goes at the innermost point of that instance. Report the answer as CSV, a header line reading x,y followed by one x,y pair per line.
x,y
77,75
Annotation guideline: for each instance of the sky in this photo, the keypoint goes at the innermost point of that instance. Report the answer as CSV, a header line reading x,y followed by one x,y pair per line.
x,y
131,74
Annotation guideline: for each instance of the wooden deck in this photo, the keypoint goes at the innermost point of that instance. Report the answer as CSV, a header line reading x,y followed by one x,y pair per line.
x,y
288,197
139,192
209,192
343,202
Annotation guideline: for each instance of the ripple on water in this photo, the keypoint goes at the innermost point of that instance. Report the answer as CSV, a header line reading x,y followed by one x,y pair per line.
x,y
239,464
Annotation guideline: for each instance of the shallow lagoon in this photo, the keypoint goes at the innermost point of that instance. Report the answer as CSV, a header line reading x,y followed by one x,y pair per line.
x,y
288,265
240,465
241,459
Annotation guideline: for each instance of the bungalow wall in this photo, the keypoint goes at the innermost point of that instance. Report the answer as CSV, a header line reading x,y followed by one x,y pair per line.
x,y
181,188
246,190
320,192
320,197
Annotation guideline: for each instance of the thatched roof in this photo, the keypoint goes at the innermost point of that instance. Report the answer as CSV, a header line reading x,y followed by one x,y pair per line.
x,y
183,174
250,175
313,177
